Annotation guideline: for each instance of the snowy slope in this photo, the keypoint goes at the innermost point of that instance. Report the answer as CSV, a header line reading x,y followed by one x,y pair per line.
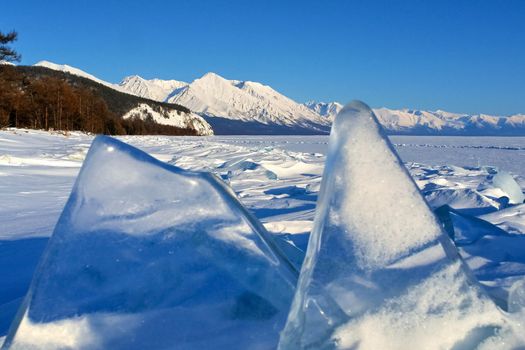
x,y
171,117
216,96
325,109
154,89
78,72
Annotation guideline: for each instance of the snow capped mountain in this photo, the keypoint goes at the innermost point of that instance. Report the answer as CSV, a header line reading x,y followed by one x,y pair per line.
x,y
154,89
215,96
231,106
408,121
246,107
327,110
420,122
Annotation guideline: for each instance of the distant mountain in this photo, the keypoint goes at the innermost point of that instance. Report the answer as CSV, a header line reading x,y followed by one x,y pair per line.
x,y
418,122
326,110
232,106
154,89
246,107
229,106
217,98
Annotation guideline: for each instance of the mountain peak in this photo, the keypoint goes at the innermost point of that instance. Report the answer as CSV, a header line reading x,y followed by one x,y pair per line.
x,y
55,66
212,83
154,89
212,76
131,78
325,109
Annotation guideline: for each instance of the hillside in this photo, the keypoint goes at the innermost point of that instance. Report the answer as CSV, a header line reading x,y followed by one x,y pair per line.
x,y
86,103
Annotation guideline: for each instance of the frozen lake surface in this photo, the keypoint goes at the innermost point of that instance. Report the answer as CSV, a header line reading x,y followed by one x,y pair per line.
x,y
502,152
276,178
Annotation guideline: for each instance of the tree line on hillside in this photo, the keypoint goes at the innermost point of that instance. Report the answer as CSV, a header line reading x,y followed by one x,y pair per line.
x,y
54,103
30,99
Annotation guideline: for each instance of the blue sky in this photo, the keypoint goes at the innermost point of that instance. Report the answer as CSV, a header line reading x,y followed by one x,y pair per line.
x,y
462,56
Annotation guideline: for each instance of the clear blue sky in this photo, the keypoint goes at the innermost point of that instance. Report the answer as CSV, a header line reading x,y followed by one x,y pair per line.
x,y
462,56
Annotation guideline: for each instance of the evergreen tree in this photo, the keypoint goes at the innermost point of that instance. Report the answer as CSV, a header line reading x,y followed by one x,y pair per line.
x,y
6,53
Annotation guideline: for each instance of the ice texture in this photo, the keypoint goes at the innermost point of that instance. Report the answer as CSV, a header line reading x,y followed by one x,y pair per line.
x,y
148,256
507,184
495,256
379,272
517,297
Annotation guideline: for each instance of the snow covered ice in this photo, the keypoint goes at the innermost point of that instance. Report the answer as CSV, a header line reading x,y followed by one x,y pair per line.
x,y
147,255
379,271
278,180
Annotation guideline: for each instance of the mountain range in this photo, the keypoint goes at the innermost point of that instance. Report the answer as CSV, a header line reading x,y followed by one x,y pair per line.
x,y
246,107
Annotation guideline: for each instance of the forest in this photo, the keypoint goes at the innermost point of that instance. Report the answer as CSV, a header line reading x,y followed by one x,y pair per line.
x,y
39,98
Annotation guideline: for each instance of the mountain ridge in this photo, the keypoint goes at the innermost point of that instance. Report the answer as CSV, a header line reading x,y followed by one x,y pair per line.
x,y
261,109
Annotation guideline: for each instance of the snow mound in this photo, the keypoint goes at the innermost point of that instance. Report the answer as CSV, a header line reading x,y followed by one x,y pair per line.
x,y
160,257
510,219
459,198
171,117
377,259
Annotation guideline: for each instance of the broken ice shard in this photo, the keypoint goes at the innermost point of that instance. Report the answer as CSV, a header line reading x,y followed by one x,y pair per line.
x,y
507,184
379,271
148,256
